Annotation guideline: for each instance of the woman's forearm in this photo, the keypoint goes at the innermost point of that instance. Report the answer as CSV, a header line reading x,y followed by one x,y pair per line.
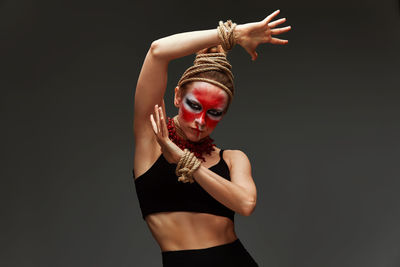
x,y
226,192
184,44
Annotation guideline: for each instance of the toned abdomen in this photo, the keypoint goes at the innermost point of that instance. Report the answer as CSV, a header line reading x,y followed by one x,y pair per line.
x,y
180,230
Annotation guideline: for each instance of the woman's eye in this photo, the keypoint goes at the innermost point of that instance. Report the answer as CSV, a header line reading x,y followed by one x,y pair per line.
x,y
193,105
215,113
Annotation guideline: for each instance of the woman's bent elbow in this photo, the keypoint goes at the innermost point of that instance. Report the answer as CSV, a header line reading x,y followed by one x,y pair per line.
x,y
154,48
248,209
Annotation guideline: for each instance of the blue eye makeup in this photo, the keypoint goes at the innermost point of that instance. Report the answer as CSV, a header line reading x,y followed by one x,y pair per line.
x,y
215,113
193,104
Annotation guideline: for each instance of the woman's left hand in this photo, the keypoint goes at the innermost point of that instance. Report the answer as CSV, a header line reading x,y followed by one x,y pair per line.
x,y
172,153
250,35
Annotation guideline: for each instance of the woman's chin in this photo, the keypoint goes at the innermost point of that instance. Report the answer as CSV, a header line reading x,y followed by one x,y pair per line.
x,y
194,136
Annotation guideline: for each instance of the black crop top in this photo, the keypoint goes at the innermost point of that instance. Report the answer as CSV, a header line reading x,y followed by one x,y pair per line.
x,y
158,190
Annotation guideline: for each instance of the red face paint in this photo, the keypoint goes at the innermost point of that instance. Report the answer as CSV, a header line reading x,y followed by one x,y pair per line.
x,y
204,106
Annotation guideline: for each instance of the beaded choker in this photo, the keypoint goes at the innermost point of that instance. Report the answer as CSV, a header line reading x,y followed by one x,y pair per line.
x,y
205,145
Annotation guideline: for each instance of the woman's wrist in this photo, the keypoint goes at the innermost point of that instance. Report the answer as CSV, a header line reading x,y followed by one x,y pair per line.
x,y
186,166
238,34
179,155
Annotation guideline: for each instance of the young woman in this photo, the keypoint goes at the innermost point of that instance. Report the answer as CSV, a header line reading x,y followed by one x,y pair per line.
x,y
188,188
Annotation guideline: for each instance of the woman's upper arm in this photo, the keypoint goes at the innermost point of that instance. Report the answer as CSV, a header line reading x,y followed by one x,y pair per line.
x,y
240,172
150,89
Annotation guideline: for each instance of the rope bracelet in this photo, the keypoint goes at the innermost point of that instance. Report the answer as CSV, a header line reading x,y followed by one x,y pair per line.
x,y
186,166
226,34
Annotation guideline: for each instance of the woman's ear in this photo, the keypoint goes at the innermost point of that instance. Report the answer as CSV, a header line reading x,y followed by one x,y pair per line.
x,y
177,98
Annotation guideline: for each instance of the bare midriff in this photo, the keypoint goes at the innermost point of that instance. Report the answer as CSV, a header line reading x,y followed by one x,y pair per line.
x,y
179,230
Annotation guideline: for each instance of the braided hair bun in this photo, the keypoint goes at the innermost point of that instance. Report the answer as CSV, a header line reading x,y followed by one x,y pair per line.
x,y
210,65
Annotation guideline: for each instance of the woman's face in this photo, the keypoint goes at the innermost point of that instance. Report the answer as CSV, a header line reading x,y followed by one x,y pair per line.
x,y
200,109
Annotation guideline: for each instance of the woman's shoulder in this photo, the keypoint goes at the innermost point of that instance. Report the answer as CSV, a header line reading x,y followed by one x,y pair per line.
x,y
234,155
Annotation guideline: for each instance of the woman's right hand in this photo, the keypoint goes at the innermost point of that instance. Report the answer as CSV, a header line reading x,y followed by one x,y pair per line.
x,y
171,152
250,35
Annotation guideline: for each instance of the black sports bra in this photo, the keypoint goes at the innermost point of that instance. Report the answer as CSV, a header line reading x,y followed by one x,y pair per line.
x,y
158,190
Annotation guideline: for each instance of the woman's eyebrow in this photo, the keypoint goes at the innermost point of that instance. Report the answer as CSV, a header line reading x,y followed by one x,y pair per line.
x,y
193,99
217,109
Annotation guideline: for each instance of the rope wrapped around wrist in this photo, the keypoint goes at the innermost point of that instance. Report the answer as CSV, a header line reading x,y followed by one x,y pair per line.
x,y
226,34
186,166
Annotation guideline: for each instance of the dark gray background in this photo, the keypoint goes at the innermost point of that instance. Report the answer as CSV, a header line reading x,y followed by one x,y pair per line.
x,y
318,118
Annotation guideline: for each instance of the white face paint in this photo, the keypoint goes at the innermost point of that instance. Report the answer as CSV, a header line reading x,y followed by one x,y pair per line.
x,y
194,106
201,109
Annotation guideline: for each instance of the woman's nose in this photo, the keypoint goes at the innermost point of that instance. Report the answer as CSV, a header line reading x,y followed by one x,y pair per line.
x,y
201,120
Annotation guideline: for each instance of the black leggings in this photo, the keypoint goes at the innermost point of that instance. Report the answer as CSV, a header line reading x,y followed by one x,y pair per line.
x,y
231,254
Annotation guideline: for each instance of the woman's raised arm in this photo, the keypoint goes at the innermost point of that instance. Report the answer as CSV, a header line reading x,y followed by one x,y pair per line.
x,y
152,79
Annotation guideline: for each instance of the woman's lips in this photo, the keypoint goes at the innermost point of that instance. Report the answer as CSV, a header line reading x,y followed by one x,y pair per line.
x,y
196,130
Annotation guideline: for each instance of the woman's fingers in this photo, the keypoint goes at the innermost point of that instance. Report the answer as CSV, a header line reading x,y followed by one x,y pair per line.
x,y
276,23
278,41
163,108
161,117
153,124
280,30
164,129
159,125
163,120
157,117
252,52
270,17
